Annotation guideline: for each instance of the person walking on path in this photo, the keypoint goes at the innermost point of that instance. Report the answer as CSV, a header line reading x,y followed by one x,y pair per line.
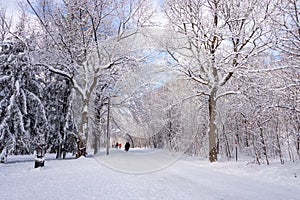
x,y
127,146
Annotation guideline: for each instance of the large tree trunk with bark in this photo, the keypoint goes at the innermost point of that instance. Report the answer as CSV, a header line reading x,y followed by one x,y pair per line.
x,y
212,126
83,132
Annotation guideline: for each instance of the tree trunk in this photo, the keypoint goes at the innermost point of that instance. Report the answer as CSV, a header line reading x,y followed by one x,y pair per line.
x,y
255,150
227,147
298,141
62,148
212,126
84,124
279,149
298,146
59,151
83,132
247,137
278,143
96,142
81,148
289,148
264,147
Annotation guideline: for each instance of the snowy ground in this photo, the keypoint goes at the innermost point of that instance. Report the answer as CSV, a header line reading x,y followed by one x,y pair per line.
x,y
146,174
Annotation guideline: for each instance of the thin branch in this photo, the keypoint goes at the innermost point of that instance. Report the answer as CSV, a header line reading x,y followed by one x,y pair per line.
x,y
224,81
33,9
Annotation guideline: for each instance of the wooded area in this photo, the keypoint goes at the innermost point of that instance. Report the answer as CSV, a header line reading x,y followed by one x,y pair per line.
x,y
204,77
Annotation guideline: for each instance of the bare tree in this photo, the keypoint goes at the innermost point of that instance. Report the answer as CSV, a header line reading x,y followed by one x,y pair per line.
x,y
5,24
289,35
214,40
85,41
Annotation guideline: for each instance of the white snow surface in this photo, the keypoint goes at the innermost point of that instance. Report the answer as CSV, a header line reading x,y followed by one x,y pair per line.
x,y
146,174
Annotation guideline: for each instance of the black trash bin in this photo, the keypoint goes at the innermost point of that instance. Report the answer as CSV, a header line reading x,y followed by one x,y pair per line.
x,y
40,157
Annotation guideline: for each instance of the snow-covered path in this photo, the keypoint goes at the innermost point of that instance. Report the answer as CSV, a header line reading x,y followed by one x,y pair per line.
x,y
90,178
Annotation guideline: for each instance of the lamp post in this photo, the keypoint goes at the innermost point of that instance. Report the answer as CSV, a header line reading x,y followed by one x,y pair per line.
x,y
108,129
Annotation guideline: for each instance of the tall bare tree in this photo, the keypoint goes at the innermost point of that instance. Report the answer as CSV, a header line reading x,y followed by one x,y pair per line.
x,y
85,41
214,39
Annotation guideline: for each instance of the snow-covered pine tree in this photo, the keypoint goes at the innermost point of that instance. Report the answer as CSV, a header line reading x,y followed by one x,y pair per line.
x,y
23,123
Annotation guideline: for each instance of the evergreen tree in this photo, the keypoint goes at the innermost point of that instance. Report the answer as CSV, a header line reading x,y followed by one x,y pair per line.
x,y
23,122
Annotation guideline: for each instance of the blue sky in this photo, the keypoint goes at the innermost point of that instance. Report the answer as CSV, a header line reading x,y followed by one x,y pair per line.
x,y
11,6
12,9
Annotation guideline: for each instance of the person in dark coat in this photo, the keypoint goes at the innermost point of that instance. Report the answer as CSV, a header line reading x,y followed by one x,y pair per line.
x,y
127,146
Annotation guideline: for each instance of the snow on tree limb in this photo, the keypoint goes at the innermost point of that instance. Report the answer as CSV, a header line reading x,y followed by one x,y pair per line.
x,y
226,93
64,74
